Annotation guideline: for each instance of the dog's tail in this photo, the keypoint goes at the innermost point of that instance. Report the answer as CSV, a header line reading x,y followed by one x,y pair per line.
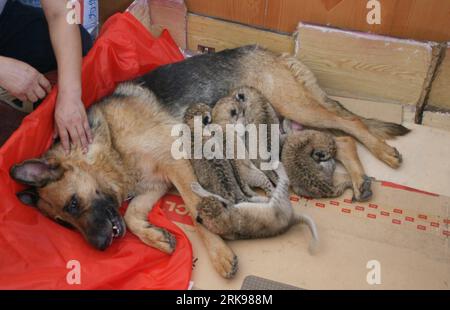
x,y
308,221
385,130
306,78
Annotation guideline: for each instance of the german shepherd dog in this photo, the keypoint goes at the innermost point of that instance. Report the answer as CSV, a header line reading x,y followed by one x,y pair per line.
x,y
131,151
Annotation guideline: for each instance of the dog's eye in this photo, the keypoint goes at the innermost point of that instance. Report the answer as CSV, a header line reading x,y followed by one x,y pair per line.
x,y
233,112
72,207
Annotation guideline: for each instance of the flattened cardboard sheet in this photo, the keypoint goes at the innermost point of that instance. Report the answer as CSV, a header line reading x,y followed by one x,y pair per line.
x,y
400,239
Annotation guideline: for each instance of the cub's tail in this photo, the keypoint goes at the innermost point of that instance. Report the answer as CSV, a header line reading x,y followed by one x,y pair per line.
x,y
308,221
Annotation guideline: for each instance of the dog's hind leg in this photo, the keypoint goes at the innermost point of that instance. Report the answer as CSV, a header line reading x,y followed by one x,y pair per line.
x,y
295,94
347,154
312,114
182,175
136,220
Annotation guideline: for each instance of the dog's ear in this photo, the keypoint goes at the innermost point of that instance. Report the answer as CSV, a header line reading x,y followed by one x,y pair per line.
x,y
37,172
29,197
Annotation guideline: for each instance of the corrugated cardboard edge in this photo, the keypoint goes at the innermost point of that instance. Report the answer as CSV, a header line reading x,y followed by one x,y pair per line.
x,y
440,92
438,54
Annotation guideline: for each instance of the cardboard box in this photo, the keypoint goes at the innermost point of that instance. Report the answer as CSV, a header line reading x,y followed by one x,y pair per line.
x,y
399,239
366,66
440,93
403,232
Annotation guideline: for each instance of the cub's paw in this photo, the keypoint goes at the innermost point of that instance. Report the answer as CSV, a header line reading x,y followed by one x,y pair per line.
x,y
363,191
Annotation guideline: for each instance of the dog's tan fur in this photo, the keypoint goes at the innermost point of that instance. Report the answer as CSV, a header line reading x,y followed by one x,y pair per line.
x,y
131,152
130,155
294,93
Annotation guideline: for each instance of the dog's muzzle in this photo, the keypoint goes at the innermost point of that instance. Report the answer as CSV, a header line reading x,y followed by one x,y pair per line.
x,y
104,223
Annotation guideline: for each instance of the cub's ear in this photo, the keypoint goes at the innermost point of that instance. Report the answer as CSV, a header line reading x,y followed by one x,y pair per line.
x,y
29,197
37,172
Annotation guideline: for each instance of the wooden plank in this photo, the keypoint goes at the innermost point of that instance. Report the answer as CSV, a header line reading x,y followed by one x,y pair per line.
x,y
420,20
249,12
382,111
363,66
141,11
413,19
440,91
157,15
220,35
171,15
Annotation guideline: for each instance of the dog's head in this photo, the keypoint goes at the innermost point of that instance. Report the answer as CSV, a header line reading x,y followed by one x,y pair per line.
x,y
74,193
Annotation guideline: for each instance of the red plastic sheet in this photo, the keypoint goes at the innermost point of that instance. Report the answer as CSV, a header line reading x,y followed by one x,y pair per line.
x,y
34,251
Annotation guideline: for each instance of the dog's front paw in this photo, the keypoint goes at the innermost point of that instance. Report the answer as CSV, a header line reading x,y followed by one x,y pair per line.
x,y
158,238
225,262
